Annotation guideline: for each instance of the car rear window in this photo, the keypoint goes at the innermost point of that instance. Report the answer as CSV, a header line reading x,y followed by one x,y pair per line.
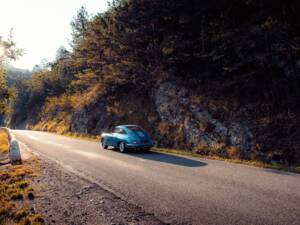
x,y
139,131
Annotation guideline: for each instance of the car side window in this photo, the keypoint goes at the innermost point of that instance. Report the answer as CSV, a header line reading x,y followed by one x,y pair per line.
x,y
122,131
119,131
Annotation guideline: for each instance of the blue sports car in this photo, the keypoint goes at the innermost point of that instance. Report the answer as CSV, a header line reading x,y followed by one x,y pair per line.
x,y
127,137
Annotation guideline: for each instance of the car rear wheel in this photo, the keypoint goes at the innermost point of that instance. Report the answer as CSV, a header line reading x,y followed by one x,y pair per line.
x,y
122,147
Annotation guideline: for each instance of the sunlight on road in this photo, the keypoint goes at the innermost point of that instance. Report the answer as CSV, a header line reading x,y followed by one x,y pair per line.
x,y
32,137
86,154
118,162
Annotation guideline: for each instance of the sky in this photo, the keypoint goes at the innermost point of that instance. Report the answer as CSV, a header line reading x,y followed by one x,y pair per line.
x,y
40,27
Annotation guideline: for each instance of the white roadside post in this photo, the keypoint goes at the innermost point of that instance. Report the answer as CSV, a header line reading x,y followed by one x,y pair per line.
x,y
14,148
14,152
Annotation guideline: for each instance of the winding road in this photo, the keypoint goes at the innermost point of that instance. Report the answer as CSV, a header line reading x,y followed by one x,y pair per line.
x,y
178,190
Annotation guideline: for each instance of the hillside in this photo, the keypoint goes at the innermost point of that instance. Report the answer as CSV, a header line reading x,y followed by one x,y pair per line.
x,y
14,75
216,77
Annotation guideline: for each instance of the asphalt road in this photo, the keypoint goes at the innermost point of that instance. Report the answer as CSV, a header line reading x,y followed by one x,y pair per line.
x,y
179,189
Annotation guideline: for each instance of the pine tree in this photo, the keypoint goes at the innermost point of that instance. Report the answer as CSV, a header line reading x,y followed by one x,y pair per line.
x,y
79,25
8,51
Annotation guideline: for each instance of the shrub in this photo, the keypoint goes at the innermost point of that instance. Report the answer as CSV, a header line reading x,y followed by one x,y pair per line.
x,y
17,196
23,184
21,213
30,195
233,152
37,219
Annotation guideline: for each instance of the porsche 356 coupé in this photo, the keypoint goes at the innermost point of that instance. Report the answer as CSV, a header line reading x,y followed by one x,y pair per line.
x,y
127,137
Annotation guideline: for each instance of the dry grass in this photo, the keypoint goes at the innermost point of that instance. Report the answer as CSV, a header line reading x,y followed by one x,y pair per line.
x,y
61,127
83,136
3,143
58,127
16,193
233,152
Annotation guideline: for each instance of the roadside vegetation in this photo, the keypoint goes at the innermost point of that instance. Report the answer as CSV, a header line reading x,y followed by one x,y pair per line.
x,y
9,78
8,51
3,143
16,192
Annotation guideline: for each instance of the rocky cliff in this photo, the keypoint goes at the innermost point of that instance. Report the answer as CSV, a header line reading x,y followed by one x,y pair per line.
x,y
170,113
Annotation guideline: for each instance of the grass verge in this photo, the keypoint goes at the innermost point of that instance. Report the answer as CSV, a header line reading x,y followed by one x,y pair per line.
x,y
16,192
87,137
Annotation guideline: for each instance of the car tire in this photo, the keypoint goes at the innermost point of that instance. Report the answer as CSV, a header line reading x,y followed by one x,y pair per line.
x,y
122,147
103,145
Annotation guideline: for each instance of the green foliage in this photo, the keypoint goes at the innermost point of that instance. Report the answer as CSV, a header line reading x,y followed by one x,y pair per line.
x,y
8,51
79,25
4,92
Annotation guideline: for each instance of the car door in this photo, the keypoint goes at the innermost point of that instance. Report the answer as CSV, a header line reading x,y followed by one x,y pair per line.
x,y
110,139
119,135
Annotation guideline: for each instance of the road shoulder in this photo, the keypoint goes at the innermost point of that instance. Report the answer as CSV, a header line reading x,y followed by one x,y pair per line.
x,y
65,198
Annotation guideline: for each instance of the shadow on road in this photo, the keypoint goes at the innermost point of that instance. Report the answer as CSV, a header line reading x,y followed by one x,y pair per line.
x,y
166,158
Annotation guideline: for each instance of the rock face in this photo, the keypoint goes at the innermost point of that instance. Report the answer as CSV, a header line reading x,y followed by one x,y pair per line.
x,y
169,114
199,128
92,119
173,120
79,122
